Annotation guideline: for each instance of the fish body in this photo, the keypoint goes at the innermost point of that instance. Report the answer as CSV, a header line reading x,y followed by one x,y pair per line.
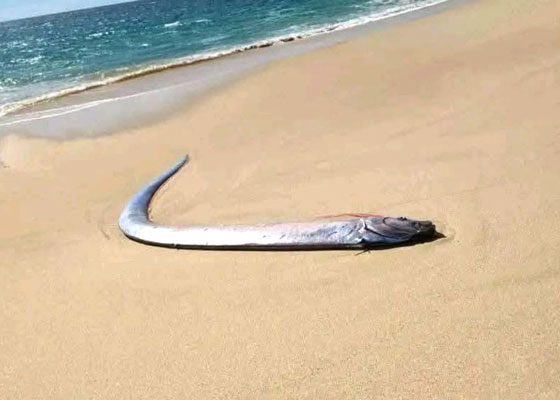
x,y
362,232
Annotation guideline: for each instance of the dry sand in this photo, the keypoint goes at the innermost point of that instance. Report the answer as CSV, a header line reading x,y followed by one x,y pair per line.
x,y
453,117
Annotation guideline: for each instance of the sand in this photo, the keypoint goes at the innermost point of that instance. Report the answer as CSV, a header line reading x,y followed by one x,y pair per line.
x,y
453,117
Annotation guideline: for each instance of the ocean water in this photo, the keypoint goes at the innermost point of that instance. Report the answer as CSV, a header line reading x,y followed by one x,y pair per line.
x,y
47,57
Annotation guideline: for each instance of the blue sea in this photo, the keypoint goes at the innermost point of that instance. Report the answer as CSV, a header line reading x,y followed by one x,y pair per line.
x,y
47,57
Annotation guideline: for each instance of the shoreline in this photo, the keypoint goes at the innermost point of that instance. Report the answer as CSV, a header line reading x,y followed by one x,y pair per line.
x,y
175,87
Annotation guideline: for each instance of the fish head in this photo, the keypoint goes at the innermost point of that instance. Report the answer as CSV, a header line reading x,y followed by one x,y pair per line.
x,y
395,230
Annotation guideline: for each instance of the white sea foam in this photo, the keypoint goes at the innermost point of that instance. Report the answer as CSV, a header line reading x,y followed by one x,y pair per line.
x,y
55,112
13,107
172,24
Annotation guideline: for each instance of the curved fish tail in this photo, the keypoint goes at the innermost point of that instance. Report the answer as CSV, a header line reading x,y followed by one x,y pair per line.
x,y
136,212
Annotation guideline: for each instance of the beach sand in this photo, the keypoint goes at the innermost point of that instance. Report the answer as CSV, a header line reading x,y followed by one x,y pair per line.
x,y
453,117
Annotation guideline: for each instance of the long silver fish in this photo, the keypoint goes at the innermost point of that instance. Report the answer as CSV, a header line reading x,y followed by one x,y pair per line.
x,y
360,231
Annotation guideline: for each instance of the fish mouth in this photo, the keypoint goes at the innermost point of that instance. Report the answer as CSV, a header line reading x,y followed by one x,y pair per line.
x,y
424,230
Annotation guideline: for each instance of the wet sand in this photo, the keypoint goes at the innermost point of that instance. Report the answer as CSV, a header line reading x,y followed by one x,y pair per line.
x,y
453,117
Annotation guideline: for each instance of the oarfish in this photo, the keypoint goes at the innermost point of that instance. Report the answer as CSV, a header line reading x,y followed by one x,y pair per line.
x,y
358,231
